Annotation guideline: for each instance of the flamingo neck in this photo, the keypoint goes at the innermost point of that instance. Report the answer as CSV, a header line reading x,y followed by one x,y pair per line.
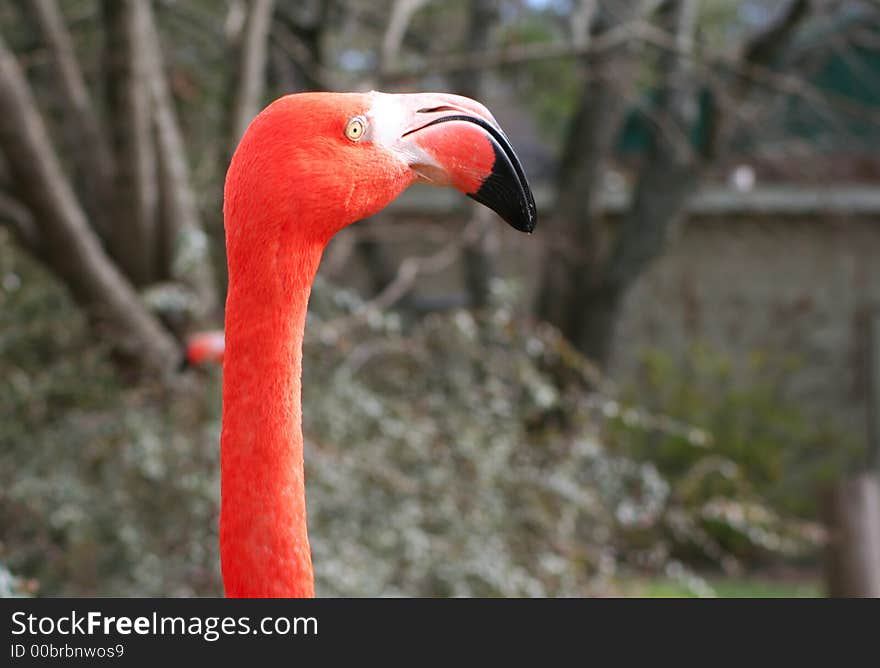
x,y
264,544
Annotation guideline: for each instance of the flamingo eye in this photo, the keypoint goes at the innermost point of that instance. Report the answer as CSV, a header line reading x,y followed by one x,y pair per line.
x,y
356,128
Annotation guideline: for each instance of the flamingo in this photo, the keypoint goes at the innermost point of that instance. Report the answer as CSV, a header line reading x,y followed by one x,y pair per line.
x,y
307,166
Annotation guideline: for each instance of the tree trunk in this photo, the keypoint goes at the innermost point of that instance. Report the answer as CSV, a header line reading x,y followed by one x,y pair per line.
x,y
477,260
381,267
298,48
133,237
577,241
93,168
591,319
69,245
249,51
250,73
852,564
590,265
182,251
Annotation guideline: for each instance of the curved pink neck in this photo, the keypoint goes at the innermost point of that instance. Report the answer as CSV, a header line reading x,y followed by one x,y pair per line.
x,y
264,545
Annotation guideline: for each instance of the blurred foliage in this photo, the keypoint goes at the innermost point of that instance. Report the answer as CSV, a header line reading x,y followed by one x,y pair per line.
x,y
763,460
728,587
556,79
93,470
469,455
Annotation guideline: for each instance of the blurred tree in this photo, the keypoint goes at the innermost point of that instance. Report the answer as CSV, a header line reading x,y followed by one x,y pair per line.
x,y
138,168
591,264
476,258
125,217
66,241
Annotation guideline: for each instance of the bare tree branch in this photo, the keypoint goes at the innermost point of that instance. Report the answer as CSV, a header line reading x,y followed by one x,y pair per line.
x,y
407,273
380,265
133,238
93,167
757,52
477,260
608,75
581,22
182,243
672,170
317,77
515,55
670,174
762,47
71,246
248,27
251,72
402,12
302,42
752,73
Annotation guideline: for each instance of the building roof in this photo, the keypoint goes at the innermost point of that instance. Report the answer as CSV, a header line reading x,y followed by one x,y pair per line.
x,y
711,200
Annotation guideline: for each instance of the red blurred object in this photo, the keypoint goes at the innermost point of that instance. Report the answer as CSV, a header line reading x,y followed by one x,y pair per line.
x,y
205,348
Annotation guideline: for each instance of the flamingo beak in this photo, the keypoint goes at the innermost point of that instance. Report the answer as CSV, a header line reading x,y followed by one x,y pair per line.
x,y
450,140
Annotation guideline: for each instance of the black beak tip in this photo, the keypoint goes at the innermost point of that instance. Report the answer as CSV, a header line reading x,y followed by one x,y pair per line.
x,y
506,190
527,224
510,198
524,223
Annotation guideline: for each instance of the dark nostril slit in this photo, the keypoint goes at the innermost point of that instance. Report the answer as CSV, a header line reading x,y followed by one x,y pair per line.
x,y
431,110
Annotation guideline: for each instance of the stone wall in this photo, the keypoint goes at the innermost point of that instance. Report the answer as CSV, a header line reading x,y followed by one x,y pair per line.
x,y
779,271
799,288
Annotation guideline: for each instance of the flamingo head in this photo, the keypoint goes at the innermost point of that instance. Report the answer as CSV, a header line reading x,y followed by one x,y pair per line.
x,y
316,162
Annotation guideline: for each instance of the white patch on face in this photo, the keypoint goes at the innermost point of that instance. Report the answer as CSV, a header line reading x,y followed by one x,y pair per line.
x,y
389,119
386,117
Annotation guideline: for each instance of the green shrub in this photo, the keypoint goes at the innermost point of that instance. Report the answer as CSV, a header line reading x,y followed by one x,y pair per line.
x,y
749,481
469,454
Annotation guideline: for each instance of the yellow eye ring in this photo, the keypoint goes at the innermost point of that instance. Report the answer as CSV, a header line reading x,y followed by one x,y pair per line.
x,y
356,128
